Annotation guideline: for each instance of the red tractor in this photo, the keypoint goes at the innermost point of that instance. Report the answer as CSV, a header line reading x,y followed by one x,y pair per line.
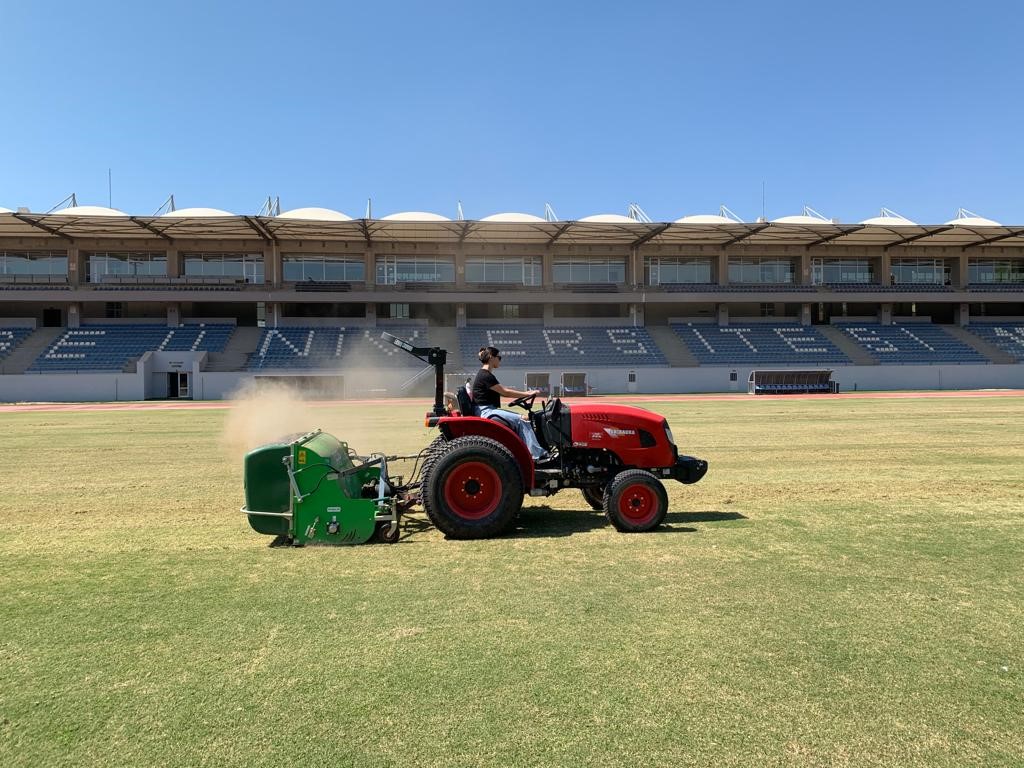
x,y
477,471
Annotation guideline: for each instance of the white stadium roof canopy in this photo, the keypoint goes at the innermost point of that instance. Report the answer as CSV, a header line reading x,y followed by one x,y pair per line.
x,y
92,222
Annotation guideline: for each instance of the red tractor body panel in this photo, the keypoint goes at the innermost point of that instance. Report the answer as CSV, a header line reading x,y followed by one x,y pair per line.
x,y
637,436
461,426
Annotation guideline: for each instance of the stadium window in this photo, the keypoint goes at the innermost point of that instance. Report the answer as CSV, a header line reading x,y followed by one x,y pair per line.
x,y
300,267
398,311
242,266
101,264
767,310
33,263
677,269
589,269
919,271
995,271
261,314
113,310
841,271
511,270
757,270
392,270
509,310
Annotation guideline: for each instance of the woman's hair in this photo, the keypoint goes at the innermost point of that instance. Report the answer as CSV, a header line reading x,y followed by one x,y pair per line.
x,y
486,353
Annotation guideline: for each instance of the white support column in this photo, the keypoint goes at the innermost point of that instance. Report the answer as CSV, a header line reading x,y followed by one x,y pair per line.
x,y
885,314
173,315
74,315
962,314
371,314
805,314
637,315
723,268
723,314
549,314
460,315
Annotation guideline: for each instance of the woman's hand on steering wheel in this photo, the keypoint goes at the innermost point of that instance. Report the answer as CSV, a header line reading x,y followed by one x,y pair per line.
x,y
526,401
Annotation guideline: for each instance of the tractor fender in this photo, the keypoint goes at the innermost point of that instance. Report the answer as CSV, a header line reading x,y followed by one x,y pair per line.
x,y
463,426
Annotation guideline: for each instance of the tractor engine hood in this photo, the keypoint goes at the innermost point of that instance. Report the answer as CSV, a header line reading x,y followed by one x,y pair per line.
x,y
636,435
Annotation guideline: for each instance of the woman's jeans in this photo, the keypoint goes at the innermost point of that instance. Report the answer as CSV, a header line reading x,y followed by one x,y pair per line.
x,y
514,421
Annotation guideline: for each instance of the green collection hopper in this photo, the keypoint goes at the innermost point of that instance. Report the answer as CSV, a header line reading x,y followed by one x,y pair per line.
x,y
312,489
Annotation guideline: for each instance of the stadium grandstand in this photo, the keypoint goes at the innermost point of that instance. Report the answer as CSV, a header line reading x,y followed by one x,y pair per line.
x,y
97,304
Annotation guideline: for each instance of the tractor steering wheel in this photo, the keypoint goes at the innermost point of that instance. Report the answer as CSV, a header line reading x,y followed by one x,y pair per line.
x,y
526,401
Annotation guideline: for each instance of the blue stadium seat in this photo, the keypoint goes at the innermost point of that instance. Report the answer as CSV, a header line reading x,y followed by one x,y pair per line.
x,y
10,338
334,347
110,347
758,344
911,344
535,345
1009,337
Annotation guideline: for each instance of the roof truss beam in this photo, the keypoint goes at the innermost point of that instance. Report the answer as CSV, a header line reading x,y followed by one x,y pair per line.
x,y
744,236
833,236
995,239
650,235
561,231
913,238
149,227
261,230
40,225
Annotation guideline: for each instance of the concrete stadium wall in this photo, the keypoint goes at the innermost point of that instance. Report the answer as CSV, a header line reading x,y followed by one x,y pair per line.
x,y
71,387
210,385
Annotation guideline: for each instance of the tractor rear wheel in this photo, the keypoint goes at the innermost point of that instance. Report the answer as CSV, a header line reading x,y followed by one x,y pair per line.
x,y
430,454
473,489
635,501
594,495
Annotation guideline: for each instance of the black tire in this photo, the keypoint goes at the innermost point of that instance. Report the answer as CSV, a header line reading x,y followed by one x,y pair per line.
x,y
430,454
594,496
635,501
473,489
382,535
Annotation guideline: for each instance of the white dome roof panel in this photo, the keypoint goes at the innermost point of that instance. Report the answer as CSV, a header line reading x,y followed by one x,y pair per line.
x,y
609,218
315,214
415,216
513,217
802,219
184,213
706,218
974,221
88,210
889,221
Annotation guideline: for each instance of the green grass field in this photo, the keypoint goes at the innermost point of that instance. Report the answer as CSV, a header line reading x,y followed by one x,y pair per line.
x,y
843,589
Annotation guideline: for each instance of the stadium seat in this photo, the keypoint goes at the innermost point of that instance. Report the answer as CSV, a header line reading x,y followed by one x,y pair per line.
x,y
10,338
1009,337
535,345
910,344
334,347
758,344
110,347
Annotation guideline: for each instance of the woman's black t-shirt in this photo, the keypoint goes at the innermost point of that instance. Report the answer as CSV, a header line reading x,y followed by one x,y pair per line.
x,y
483,395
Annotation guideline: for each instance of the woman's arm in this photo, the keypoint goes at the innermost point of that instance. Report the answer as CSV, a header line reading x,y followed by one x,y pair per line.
x,y
504,391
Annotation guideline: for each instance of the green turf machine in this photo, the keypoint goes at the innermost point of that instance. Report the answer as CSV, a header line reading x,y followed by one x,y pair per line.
x,y
313,489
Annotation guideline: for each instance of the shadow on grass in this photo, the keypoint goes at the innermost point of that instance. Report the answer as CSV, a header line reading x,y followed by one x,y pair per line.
x,y
546,522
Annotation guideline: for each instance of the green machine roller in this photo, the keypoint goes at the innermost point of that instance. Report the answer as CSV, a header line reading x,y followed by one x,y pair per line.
x,y
314,489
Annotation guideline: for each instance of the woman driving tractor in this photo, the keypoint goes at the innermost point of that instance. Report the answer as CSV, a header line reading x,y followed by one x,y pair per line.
x,y
487,392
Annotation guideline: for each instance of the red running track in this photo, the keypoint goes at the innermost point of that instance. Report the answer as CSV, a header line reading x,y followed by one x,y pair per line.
x,y
186,405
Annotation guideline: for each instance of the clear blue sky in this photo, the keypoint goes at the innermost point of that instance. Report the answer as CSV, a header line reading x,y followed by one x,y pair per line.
x,y
587,105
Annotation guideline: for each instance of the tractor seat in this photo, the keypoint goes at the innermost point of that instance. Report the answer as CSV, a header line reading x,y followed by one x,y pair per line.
x,y
466,407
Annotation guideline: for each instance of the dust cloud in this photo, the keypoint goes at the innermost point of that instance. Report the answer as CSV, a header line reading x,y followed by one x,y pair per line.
x,y
262,413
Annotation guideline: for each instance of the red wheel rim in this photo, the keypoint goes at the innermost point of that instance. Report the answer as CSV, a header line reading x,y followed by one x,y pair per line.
x,y
472,490
638,504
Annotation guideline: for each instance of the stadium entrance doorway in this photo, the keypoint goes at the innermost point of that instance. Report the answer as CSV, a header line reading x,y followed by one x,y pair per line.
x,y
178,386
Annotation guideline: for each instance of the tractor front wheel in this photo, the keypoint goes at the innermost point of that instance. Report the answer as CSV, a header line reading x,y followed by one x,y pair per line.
x,y
473,489
636,501
594,495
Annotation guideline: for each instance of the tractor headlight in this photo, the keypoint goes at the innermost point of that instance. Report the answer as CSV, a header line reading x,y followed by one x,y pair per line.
x,y
668,434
